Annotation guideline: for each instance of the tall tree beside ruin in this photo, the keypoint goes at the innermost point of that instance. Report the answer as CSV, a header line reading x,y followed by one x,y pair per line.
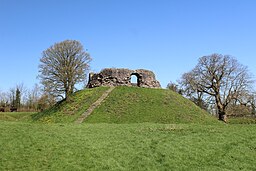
x,y
62,66
221,77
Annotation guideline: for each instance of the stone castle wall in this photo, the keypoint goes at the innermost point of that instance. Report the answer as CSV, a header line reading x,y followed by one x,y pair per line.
x,y
122,77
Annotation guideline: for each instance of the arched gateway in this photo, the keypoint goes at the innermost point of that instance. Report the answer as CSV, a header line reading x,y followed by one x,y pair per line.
x,y
135,79
122,77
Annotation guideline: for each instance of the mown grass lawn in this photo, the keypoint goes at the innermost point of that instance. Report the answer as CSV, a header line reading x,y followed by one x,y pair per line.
x,y
242,120
144,146
16,116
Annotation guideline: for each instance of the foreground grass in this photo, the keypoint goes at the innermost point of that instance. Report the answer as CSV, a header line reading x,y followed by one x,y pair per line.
x,y
30,146
138,105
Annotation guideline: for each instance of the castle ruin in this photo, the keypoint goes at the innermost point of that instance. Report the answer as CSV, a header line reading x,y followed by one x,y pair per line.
x,y
122,77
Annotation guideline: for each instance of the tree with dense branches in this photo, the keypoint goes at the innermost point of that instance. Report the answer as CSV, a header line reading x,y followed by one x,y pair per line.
x,y
220,77
62,66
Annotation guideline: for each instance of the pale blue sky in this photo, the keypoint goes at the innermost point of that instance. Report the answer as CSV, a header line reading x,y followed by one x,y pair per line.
x,y
165,36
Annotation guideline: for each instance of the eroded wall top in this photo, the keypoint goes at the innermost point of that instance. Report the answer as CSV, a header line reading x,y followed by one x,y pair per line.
x,y
122,77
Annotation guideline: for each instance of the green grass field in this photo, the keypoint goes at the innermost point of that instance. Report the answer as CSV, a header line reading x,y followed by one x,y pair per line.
x,y
242,120
133,129
16,116
144,146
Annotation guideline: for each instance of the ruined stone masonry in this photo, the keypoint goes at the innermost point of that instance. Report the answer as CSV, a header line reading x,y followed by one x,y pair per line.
x,y
122,77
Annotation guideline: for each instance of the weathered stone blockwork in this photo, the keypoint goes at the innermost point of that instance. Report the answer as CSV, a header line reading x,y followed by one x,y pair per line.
x,y
122,77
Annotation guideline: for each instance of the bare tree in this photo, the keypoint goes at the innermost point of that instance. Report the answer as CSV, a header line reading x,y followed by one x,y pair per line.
x,y
3,99
252,103
11,95
220,77
62,66
32,97
248,100
45,101
174,87
191,92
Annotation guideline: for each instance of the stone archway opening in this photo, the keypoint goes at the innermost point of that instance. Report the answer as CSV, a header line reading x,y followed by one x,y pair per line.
x,y
122,77
135,81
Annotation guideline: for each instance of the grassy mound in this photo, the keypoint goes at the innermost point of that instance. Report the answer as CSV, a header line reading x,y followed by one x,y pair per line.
x,y
136,105
127,105
66,112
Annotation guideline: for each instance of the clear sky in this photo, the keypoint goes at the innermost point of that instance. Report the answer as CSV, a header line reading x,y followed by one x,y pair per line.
x,y
165,36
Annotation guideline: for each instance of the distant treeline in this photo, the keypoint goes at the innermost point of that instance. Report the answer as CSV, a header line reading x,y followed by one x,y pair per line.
x,y
22,99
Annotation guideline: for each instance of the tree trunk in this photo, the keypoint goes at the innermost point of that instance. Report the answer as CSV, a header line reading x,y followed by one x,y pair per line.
x,y
68,93
221,108
222,116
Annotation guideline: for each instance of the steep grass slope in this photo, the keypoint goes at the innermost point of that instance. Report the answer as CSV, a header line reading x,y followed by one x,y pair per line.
x,y
67,112
136,105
